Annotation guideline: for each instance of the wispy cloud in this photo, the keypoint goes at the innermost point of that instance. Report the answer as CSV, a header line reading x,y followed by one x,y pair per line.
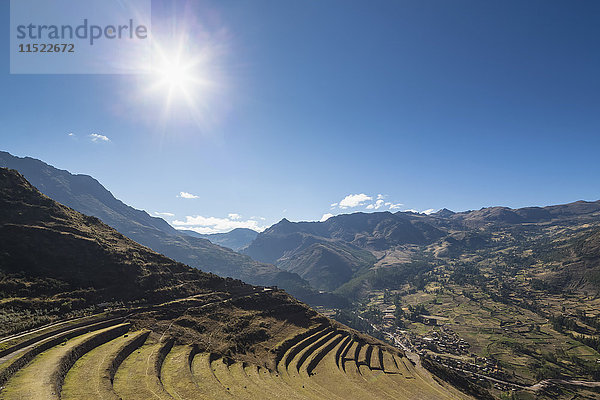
x,y
186,195
429,211
163,214
95,137
207,225
326,216
234,216
393,206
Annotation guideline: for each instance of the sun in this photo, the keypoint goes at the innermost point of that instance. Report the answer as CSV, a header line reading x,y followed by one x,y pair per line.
x,y
181,78
175,74
184,81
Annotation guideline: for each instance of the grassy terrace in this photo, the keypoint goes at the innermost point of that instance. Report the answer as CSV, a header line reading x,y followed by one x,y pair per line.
x,y
42,378
15,340
97,368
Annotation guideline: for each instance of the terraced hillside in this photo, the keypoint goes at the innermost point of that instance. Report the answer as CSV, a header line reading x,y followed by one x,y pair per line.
x,y
116,358
167,331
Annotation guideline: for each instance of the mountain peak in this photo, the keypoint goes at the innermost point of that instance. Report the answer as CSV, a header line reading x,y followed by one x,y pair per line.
x,y
444,212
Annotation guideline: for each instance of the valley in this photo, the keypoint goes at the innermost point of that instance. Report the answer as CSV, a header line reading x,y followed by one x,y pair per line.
x,y
501,303
115,319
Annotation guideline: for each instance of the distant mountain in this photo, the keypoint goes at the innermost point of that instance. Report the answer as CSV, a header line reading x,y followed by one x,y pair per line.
x,y
330,253
504,216
86,195
236,239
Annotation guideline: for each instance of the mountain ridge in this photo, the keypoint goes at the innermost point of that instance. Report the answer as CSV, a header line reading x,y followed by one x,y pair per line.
x,y
348,245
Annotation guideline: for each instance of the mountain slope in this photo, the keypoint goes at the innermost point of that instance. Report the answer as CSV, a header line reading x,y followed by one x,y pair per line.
x,y
85,194
42,239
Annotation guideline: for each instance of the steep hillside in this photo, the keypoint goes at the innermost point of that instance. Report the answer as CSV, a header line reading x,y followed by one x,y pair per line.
x,y
171,331
86,195
578,268
47,249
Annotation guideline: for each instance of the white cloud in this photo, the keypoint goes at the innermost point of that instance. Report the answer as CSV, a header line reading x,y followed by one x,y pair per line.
x,y
234,216
326,216
426,212
96,137
360,200
377,205
163,214
354,200
393,206
186,195
206,225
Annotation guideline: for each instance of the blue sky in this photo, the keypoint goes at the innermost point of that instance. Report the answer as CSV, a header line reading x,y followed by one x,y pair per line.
x,y
430,104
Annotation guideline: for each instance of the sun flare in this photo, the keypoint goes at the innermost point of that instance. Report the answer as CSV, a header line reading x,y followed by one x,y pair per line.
x,y
181,77
185,80
175,74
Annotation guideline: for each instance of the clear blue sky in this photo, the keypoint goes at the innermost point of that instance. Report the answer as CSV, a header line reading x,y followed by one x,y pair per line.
x,y
457,104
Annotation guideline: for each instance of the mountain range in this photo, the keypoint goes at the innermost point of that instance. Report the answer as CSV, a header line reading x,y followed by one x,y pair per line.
x,y
331,253
86,195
